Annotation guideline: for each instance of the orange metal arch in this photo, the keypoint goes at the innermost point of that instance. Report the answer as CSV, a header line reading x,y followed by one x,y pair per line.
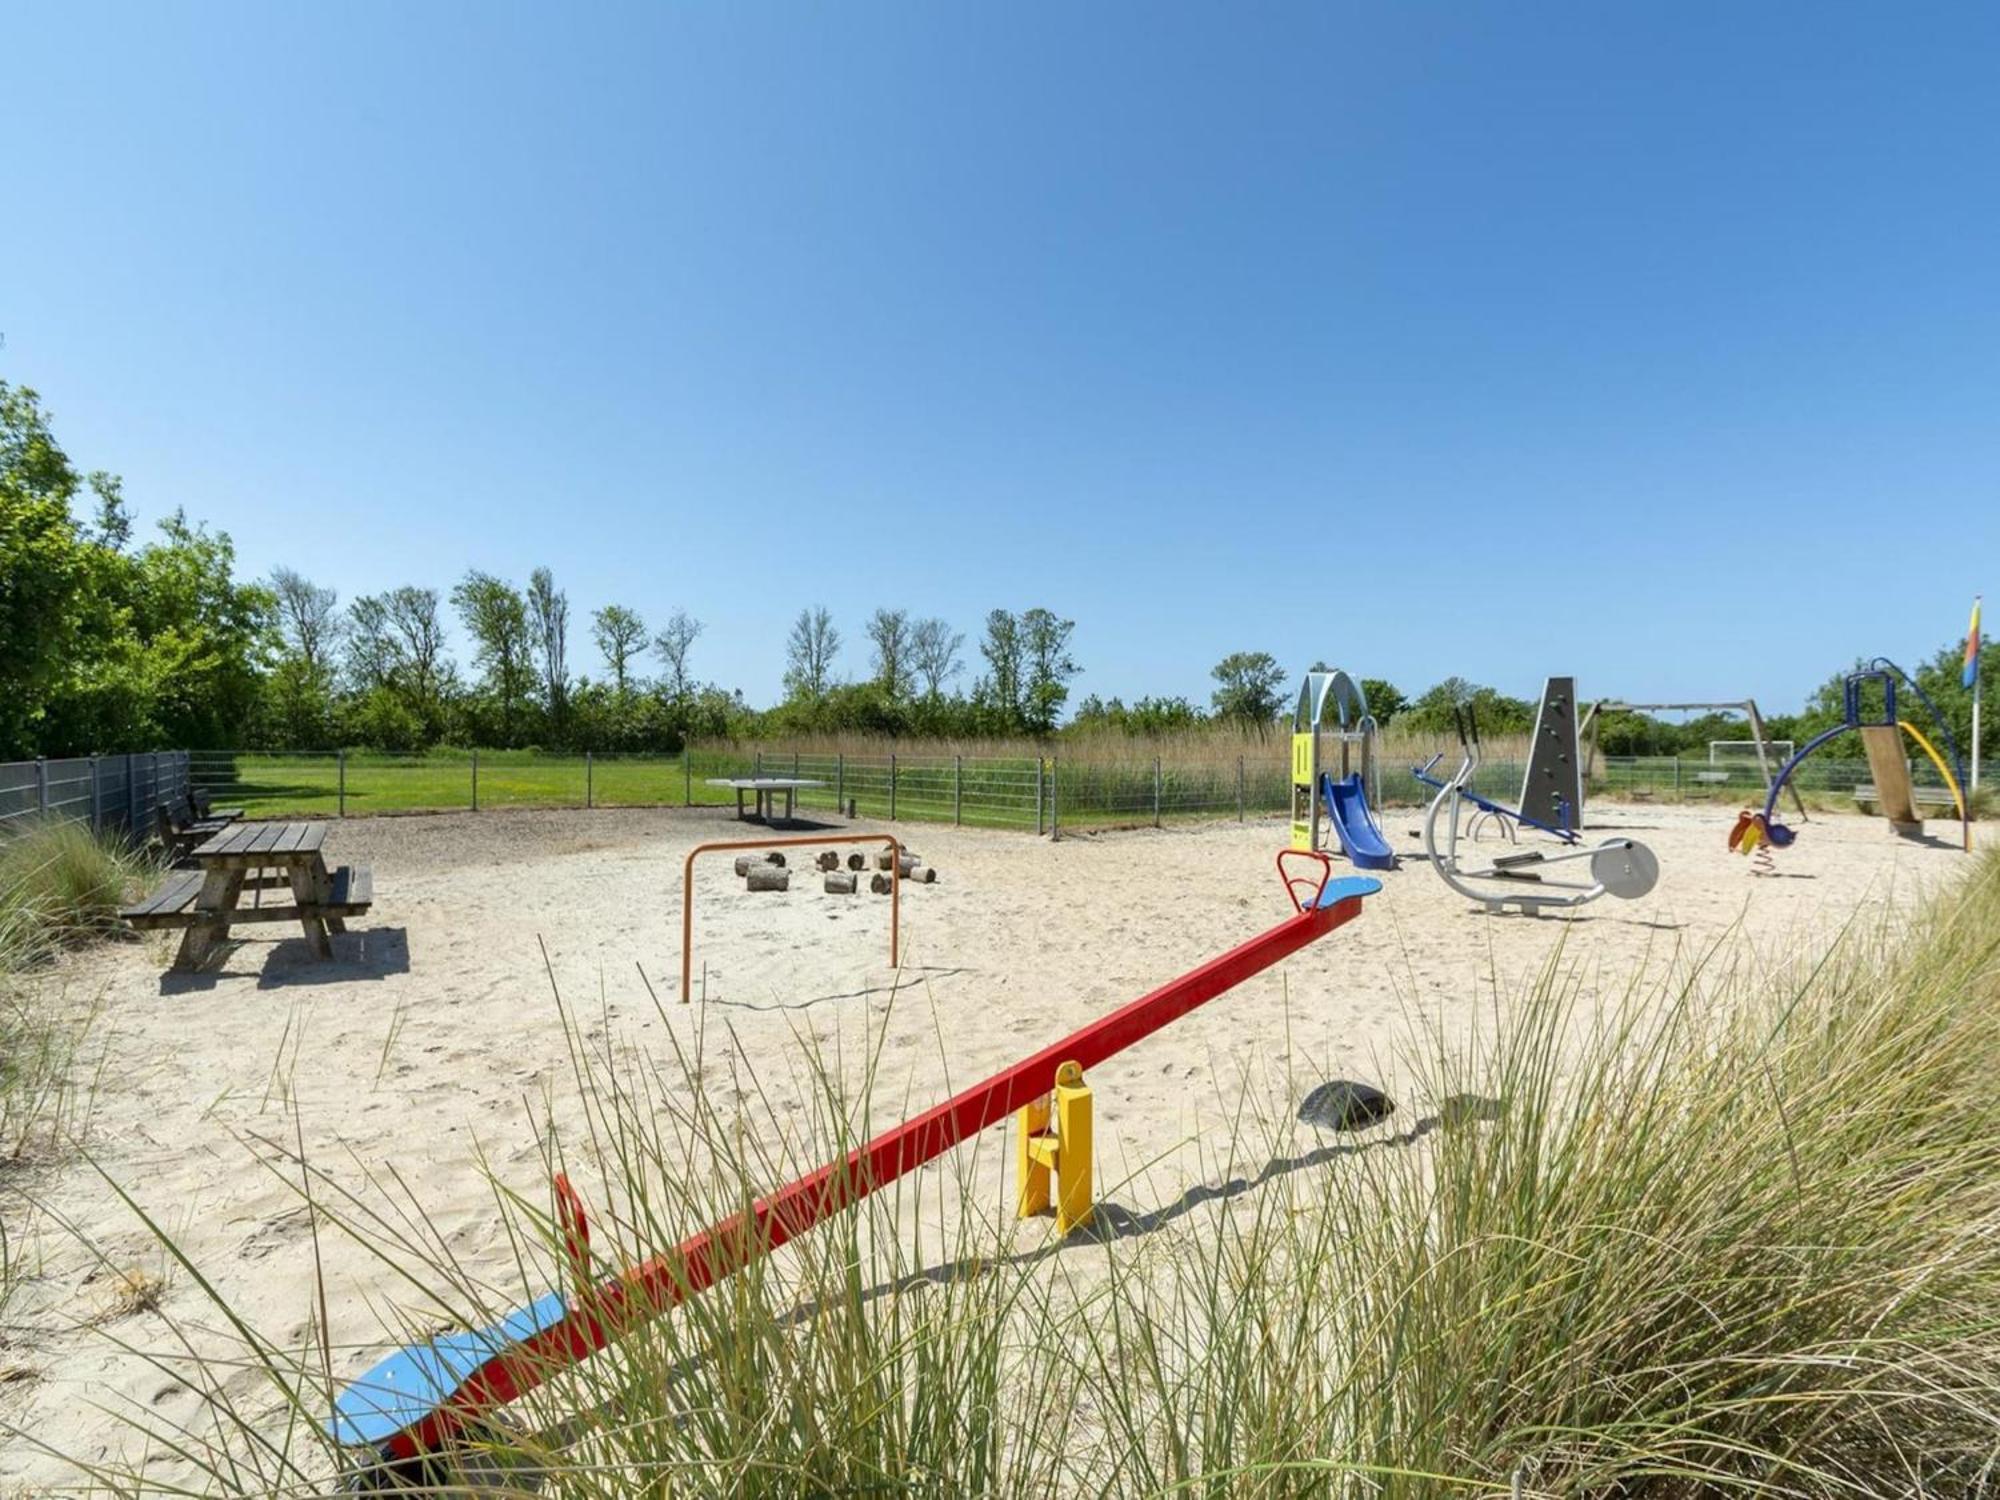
x,y
687,886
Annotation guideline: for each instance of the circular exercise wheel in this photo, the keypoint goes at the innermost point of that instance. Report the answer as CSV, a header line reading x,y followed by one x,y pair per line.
x,y
1625,868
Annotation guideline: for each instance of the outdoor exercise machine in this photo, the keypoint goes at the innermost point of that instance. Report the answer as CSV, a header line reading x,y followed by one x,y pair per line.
x,y
424,1400
1759,832
1551,803
687,887
1331,725
1747,707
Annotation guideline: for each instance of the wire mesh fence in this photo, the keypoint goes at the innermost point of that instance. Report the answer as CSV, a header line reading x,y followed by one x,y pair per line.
x,y
123,793
1024,793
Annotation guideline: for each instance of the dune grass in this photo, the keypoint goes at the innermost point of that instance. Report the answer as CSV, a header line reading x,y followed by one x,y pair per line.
x,y
59,886
1737,1237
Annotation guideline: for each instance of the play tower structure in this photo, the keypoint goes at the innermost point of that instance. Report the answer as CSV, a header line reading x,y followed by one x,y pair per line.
x,y
1331,727
1882,732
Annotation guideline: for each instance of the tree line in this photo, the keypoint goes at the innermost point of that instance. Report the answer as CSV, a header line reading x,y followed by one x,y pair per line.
x,y
109,645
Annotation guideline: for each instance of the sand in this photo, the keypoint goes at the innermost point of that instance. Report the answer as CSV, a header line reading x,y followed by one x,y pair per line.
x,y
434,1040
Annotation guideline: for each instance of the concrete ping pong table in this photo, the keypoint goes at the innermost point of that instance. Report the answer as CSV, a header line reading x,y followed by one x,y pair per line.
x,y
766,788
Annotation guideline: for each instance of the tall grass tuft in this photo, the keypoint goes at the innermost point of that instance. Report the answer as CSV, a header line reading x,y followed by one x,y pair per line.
x,y
1741,1236
59,884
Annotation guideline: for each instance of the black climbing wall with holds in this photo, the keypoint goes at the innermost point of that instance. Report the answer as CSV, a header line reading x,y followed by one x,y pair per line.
x,y
1552,794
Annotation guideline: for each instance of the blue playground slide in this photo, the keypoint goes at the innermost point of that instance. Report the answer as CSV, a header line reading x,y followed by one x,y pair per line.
x,y
1360,836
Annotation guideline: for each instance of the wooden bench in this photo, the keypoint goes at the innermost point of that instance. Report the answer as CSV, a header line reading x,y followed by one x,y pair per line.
x,y
179,831
199,801
1924,796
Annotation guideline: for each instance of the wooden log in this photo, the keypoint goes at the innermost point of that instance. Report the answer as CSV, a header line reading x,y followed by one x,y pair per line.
x,y
921,875
745,863
769,878
829,860
841,882
886,858
879,884
857,861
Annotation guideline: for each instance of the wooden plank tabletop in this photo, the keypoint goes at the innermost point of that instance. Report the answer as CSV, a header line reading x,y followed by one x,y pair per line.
x,y
282,842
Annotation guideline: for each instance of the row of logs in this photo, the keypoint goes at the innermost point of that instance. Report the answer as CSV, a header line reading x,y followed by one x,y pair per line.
x,y
767,872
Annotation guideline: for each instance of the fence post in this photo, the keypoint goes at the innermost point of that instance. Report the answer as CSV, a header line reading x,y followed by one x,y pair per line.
x,y
41,785
475,781
340,783
892,786
96,800
153,777
1239,789
957,789
1677,776
758,770
840,782
1040,816
687,775
1156,791
795,765
589,782
1055,798
132,797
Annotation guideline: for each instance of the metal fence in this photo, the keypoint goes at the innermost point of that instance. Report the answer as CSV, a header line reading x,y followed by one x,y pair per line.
x,y
1021,793
110,792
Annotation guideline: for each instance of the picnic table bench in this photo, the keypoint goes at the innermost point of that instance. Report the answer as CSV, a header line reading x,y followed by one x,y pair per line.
x,y
766,789
189,820
204,902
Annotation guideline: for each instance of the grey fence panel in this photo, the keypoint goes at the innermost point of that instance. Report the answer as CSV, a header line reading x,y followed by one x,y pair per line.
x,y
110,793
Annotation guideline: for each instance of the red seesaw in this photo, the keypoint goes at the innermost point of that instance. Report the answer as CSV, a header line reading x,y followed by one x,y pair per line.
x,y
420,1399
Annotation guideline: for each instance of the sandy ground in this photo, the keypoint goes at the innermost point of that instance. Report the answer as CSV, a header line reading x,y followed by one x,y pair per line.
x,y
435,1036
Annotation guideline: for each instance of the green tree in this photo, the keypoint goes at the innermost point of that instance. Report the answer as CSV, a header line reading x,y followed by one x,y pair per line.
x,y
43,568
548,624
934,648
672,646
889,631
809,653
1045,654
496,617
620,635
1248,687
1385,699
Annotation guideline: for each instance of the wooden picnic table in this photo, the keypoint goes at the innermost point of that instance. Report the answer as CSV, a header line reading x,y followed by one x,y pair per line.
x,y
766,789
206,900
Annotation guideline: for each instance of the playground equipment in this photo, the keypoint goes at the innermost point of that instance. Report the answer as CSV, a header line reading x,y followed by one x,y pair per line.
x,y
1333,712
1757,833
420,1401
687,887
1619,867
1759,740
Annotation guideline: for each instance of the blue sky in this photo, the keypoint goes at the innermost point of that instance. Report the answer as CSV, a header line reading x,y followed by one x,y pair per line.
x,y
1655,343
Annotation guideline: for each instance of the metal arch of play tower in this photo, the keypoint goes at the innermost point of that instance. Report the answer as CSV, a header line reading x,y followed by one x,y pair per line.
x,y
421,1399
1331,707
1886,672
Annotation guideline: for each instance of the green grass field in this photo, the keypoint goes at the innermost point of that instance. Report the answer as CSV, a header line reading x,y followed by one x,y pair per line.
x,y
989,792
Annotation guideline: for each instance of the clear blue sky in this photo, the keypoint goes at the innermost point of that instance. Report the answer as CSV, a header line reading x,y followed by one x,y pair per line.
x,y
1657,343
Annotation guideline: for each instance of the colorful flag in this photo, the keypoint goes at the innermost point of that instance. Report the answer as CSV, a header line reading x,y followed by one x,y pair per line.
x,y
1972,648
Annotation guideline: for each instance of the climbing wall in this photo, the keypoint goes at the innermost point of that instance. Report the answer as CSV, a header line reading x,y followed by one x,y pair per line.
x,y
1552,793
